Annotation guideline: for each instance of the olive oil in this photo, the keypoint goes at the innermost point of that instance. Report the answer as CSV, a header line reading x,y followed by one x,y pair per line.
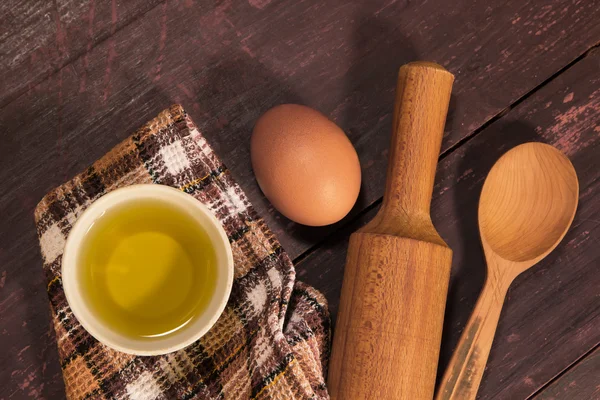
x,y
147,270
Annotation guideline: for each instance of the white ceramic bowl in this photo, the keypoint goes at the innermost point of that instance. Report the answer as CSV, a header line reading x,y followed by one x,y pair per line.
x,y
71,269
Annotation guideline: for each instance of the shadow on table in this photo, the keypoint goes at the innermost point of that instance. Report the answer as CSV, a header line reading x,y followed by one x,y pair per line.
x,y
369,92
237,89
469,267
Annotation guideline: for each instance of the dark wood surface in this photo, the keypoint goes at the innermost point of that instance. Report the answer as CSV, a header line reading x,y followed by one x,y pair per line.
x,y
580,383
79,76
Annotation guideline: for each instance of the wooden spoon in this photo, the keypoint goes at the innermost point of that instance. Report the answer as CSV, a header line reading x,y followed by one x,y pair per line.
x,y
527,204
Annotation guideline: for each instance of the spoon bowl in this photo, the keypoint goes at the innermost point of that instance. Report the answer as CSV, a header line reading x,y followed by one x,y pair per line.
x,y
527,205
528,202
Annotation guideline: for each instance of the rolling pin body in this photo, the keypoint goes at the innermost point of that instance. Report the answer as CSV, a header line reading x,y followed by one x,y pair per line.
x,y
389,326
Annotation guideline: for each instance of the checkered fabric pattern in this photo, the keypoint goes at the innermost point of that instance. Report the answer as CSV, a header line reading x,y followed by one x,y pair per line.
x,y
272,341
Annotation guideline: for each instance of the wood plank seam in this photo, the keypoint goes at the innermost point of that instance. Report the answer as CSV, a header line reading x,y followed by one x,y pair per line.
x,y
565,371
464,141
456,146
518,101
571,126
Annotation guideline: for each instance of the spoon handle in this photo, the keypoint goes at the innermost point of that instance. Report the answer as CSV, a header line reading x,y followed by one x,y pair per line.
x,y
463,374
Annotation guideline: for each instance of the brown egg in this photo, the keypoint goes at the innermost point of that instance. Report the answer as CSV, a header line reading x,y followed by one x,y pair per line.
x,y
305,165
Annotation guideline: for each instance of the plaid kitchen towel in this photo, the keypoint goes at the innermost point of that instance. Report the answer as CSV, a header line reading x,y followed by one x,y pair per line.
x,y
272,341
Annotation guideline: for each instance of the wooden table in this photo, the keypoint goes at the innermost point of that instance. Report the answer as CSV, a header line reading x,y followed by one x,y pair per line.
x,y
79,76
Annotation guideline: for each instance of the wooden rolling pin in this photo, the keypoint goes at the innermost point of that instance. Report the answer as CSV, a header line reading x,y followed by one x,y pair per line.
x,y
389,326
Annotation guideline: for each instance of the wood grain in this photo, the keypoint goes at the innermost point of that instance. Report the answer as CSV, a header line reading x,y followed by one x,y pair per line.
x,y
552,314
581,382
526,206
225,64
389,328
420,109
233,69
387,341
39,37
